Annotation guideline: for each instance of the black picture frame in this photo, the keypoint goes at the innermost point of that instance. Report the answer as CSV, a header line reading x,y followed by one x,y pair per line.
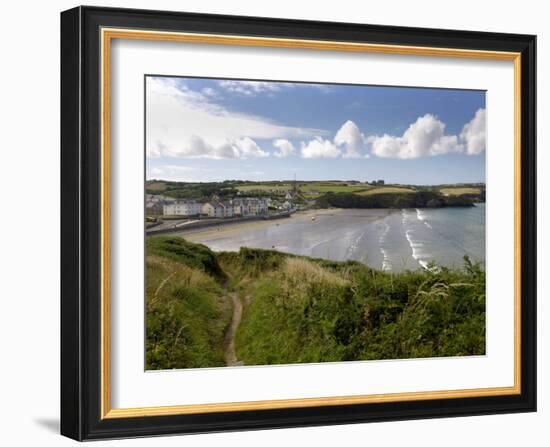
x,y
81,223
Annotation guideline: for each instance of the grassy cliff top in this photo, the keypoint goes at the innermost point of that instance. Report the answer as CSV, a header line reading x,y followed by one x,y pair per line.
x,y
294,309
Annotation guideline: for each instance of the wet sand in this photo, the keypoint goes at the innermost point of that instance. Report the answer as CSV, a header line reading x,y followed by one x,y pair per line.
x,y
235,228
329,233
391,240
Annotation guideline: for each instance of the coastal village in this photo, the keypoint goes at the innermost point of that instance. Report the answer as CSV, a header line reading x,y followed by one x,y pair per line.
x,y
265,200
214,207
179,206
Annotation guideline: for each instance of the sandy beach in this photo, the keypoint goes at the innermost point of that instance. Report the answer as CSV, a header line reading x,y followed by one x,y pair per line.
x,y
203,235
328,233
387,239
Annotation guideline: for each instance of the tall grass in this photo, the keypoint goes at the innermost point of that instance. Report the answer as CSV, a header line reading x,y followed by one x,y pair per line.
x,y
178,249
299,309
186,316
297,272
317,311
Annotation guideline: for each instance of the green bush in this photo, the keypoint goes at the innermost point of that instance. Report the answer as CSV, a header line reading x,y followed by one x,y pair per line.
x,y
187,253
370,315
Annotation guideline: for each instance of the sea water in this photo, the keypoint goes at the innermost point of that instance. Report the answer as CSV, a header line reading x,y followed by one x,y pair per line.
x,y
442,236
397,240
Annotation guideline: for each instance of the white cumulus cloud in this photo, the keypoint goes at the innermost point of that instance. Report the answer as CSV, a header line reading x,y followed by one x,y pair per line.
x,y
184,123
426,137
247,148
197,147
284,148
319,148
350,137
473,134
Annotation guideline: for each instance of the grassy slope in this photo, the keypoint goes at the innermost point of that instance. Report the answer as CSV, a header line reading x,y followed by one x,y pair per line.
x,y
187,311
303,310
298,309
196,256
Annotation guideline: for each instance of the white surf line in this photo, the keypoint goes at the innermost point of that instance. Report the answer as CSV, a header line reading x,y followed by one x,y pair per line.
x,y
353,246
415,246
421,217
386,264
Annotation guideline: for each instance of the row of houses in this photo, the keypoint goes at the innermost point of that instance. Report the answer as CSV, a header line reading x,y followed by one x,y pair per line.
x,y
154,204
216,207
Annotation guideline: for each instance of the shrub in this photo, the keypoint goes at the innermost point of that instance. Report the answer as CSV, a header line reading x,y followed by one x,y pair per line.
x,y
178,249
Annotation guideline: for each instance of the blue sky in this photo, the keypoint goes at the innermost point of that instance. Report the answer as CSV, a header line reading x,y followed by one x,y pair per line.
x,y
213,130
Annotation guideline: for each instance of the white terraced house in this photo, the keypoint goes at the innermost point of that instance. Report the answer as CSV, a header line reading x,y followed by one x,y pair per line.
x,y
249,206
228,210
211,210
257,206
217,208
185,208
238,207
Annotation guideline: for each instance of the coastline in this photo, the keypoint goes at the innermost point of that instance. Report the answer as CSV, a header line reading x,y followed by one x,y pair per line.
x,y
202,235
382,238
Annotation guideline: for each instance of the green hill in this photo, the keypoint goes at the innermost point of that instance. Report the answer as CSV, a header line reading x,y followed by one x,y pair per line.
x,y
187,314
298,309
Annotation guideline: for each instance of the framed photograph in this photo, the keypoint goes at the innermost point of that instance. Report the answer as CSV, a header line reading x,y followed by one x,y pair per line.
x,y
275,223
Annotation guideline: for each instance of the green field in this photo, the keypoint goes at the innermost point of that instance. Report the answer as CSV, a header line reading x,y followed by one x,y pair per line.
x,y
295,309
156,186
324,187
267,187
386,189
312,190
305,188
459,191
315,193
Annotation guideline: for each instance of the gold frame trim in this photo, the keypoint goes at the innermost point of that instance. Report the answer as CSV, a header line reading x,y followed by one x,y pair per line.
x,y
107,35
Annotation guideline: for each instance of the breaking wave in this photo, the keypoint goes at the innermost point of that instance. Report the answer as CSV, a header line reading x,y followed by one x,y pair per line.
x,y
386,264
